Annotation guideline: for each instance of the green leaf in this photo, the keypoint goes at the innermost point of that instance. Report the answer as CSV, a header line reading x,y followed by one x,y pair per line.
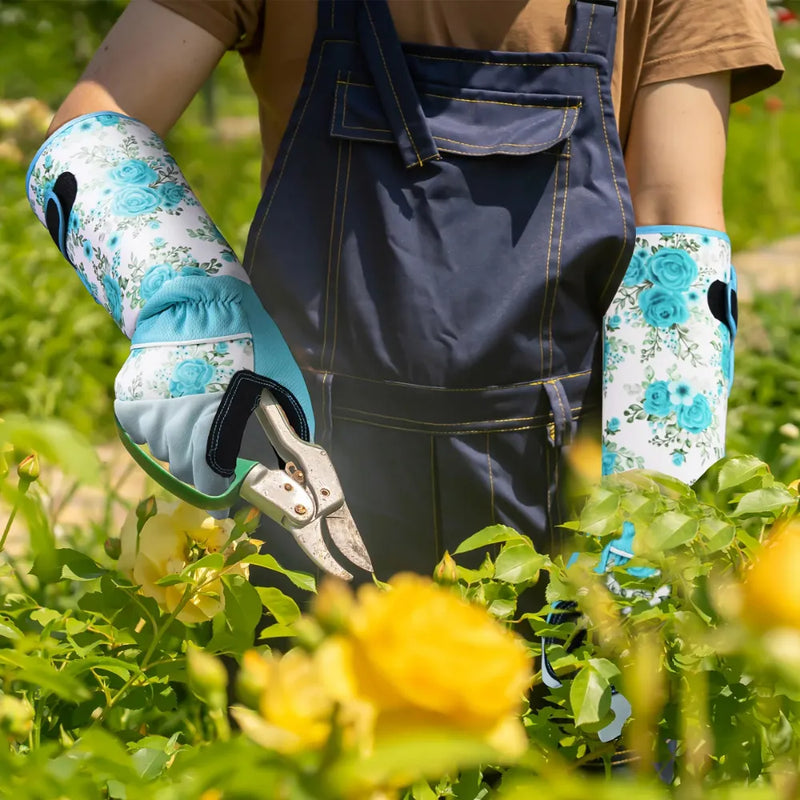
x,y
65,564
211,561
668,530
772,500
281,606
494,534
589,696
41,673
601,514
518,562
606,668
46,616
300,579
737,471
234,629
717,533
277,632
10,631
149,762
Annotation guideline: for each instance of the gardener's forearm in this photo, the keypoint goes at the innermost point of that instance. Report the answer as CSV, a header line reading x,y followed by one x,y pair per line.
x,y
149,67
675,155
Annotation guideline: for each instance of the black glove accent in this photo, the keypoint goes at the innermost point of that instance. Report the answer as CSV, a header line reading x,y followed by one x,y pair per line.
x,y
723,304
237,404
58,209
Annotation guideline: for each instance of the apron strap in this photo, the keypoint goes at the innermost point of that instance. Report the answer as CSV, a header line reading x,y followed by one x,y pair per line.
x,y
394,84
594,28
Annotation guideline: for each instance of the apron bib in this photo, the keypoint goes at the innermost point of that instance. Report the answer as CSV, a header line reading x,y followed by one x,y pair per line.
x,y
438,239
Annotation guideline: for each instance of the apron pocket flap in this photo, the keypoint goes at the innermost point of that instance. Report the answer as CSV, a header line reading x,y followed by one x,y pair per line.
x,y
473,122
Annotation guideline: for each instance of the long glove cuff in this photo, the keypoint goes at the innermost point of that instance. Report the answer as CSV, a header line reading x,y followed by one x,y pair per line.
x,y
121,212
667,355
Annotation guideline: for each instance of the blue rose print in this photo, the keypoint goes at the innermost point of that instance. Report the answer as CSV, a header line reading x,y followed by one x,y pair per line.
x,y
154,279
88,251
613,322
135,200
609,461
663,308
657,402
220,348
696,417
107,120
190,377
113,241
133,172
680,393
678,458
637,269
171,194
672,269
612,426
114,297
726,356
193,272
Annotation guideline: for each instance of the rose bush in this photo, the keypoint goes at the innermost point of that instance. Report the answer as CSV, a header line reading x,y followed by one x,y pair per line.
x,y
111,683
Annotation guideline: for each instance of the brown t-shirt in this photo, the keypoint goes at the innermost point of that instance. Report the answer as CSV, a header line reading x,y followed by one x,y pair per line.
x,y
658,40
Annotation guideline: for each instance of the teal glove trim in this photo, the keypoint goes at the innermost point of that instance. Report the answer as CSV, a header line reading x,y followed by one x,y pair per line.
x,y
667,229
193,308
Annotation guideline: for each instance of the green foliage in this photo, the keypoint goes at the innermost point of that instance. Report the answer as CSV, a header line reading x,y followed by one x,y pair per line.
x,y
763,417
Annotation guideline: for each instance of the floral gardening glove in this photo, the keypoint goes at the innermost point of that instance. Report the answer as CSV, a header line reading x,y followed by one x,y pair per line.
x,y
202,345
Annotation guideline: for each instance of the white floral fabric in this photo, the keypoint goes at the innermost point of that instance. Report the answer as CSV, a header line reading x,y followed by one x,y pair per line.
x,y
155,372
135,223
667,363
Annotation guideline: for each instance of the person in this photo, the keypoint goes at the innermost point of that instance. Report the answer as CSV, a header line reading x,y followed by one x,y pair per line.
x,y
451,190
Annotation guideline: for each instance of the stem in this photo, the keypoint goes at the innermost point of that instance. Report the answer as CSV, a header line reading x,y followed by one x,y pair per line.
x,y
8,526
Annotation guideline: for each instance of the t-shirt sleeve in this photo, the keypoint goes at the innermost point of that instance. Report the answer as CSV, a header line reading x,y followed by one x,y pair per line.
x,y
235,23
697,37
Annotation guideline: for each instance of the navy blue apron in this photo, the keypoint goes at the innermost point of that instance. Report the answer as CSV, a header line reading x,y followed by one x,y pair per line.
x,y
438,239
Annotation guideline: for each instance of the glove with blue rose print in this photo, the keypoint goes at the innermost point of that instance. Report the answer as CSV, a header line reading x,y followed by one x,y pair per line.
x,y
668,354
202,345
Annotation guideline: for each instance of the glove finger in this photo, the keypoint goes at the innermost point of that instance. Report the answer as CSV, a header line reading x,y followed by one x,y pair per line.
x,y
176,431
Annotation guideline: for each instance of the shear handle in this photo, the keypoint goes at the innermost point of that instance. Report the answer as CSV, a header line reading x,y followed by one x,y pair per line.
x,y
319,475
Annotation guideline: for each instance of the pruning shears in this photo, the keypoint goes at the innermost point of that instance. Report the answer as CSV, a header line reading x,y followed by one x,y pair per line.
x,y
298,497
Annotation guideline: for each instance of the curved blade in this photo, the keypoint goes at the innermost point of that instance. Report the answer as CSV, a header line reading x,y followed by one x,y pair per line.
x,y
309,537
345,535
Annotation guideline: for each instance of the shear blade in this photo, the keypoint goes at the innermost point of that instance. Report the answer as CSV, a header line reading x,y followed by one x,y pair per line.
x,y
344,534
309,537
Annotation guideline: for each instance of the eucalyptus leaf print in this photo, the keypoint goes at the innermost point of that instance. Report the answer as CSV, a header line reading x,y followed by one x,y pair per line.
x,y
667,360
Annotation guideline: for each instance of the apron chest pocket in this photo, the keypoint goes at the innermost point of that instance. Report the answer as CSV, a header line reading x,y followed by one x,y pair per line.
x,y
473,122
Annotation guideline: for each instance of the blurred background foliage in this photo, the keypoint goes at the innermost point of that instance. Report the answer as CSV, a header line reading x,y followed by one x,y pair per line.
x,y
60,352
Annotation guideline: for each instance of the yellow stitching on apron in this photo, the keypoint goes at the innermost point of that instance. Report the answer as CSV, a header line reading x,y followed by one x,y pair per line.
x,y
589,31
330,254
558,255
391,85
445,424
547,266
505,63
616,186
491,477
465,432
414,386
501,102
289,148
339,256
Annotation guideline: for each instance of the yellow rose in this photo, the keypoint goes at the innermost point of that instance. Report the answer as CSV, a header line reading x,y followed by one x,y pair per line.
x,y
299,696
424,658
163,547
770,590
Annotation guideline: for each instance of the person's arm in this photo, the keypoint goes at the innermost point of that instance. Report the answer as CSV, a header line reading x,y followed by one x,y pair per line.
x,y
149,67
675,156
121,212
